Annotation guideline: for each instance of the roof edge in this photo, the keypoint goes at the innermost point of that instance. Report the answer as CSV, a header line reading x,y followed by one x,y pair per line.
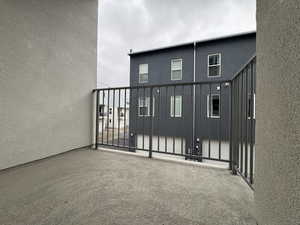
x,y
193,42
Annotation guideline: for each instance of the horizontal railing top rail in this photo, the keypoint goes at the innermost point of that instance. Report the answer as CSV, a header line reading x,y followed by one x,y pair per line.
x,y
253,58
164,85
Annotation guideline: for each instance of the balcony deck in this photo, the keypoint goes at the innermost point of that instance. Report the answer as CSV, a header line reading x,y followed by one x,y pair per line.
x,y
98,187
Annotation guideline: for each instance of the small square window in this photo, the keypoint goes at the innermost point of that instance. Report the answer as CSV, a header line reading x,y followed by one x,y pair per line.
x,y
176,69
143,73
178,106
213,106
214,65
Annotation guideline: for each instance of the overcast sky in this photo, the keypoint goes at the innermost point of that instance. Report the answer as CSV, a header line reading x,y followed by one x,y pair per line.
x,y
146,24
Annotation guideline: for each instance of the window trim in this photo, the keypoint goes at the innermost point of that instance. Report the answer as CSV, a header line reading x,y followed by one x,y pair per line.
x,y
209,106
181,61
172,106
143,82
220,64
153,107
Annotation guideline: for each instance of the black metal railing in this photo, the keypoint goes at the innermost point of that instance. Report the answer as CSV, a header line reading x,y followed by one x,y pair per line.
x,y
184,119
202,121
243,121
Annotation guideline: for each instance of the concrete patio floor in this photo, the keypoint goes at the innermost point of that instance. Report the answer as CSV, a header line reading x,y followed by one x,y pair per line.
x,y
97,187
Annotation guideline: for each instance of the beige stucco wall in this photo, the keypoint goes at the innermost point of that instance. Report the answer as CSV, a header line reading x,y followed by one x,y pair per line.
x,y
48,53
277,177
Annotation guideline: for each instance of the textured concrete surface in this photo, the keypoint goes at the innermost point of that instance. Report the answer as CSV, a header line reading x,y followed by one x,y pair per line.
x,y
47,71
277,175
97,187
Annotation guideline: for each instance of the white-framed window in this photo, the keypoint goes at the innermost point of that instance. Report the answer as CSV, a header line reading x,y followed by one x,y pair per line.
x,y
176,69
144,106
213,106
143,73
178,106
214,65
251,106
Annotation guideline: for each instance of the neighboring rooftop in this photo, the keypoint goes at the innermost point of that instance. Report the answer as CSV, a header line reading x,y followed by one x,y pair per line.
x,y
192,43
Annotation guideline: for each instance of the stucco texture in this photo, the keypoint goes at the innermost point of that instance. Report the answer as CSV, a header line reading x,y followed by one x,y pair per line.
x,y
277,177
48,54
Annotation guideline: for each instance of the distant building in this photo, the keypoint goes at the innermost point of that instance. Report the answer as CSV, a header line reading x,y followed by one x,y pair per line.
x,y
178,120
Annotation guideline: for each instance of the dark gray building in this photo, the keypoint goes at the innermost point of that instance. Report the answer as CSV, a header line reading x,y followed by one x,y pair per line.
x,y
199,114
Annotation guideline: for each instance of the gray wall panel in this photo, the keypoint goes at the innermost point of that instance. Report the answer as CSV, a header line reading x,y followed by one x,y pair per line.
x,y
47,71
277,169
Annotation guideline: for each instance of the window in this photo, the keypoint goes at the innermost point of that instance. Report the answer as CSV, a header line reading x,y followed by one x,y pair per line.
x,y
178,106
213,106
144,106
214,65
143,73
101,110
176,69
251,106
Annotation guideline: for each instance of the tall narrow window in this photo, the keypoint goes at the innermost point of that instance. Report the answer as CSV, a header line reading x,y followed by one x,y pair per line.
x,y
214,65
143,73
144,106
178,106
176,69
213,106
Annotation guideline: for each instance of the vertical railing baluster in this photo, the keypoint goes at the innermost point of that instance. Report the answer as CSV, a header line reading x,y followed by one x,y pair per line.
x,y
182,115
124,138
199,122
242,124
97,119
108,112
144,104
246,121
119,116
113,122
209,118
231,125
102,116
151,123
251,121
174,116
220,119
167,119
158,120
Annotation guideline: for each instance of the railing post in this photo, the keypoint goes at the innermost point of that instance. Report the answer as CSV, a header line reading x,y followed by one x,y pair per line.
x,y
151,121
233,117
97,120
230,126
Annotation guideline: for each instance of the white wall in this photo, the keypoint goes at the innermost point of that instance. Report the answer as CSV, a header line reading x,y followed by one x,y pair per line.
x,y
48,52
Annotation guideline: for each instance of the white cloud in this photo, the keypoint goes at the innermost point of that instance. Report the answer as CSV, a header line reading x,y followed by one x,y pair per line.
x,y
145,24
